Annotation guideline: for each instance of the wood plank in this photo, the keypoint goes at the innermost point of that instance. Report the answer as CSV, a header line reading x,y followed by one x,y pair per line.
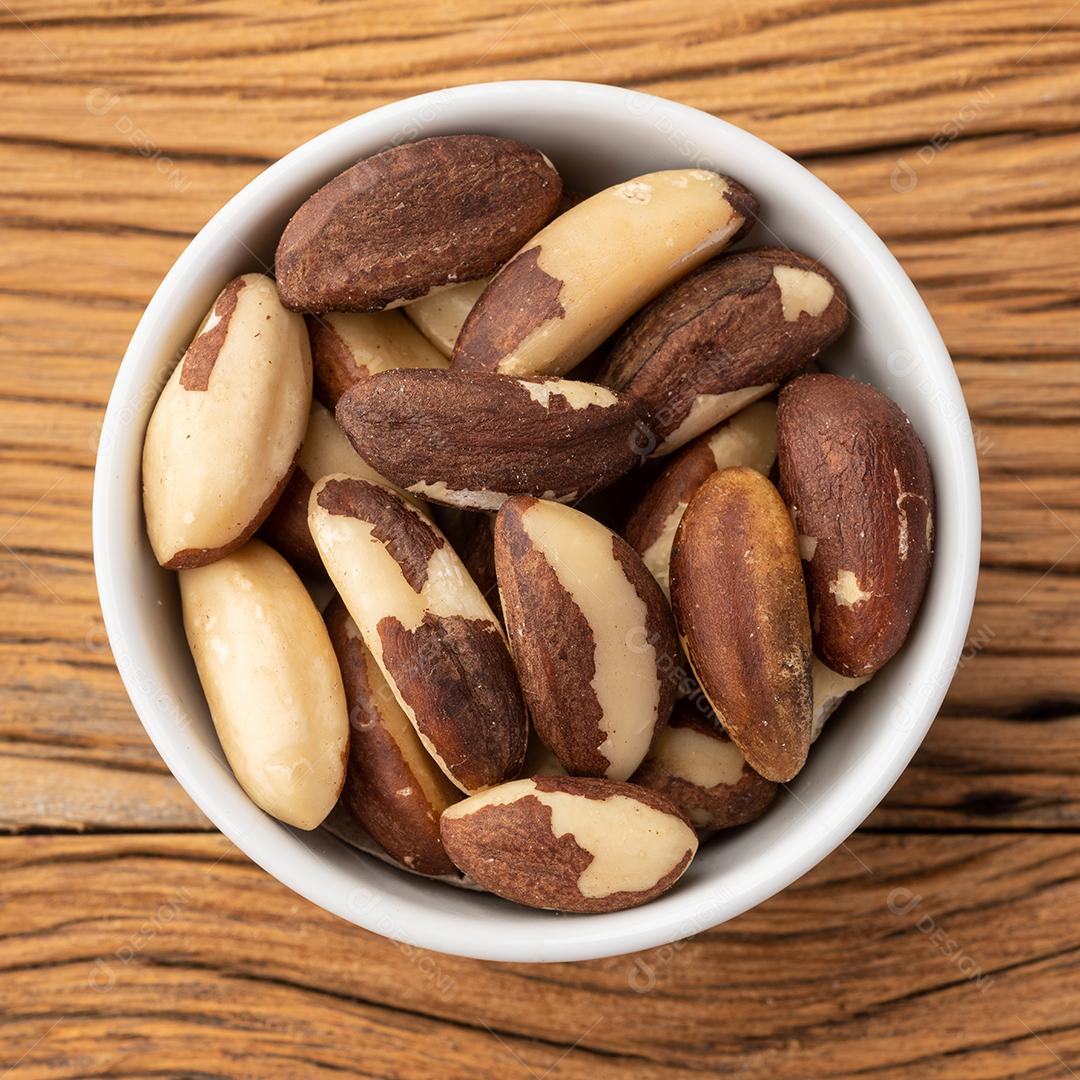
x,y
808,77
990,772
175,948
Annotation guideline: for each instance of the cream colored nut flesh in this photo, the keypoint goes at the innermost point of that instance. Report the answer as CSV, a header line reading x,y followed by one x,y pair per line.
x,y
326,449
224,435
584,274
271,680
570,843
429,628
440,315
592,636
347,347
830,689
747,438
695,764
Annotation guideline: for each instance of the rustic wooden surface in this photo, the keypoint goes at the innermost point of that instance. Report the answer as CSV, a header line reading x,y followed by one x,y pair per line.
x,y
943,942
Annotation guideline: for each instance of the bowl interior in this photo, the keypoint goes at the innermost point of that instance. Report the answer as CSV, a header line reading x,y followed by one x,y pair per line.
x,y
596,135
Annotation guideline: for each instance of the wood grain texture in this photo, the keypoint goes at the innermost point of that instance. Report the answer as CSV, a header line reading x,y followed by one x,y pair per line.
x,y
888,960
134,941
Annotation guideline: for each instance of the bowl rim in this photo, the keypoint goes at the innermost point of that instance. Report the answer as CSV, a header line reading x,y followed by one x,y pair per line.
x,y
445,931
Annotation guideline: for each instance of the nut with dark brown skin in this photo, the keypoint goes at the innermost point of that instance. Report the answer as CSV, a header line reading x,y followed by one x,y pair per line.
x,y
857,479
747,438
431,632
473,439
740,605
392,786
723,337
590,632
347,347
570,843
694,763
414,218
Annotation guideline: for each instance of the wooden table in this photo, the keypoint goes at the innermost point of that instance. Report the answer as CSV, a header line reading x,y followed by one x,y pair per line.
x,y
943,941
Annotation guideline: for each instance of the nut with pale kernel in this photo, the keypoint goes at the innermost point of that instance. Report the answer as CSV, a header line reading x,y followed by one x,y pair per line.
x,y
225,432
590,632
578,279
440,316
271,680
348,347
570,843
430,630
325,450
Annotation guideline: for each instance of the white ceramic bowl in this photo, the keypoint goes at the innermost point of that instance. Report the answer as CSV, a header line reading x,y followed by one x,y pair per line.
x,y
596,135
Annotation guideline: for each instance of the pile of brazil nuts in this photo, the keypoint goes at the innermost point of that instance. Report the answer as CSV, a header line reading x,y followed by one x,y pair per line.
x,y
605,553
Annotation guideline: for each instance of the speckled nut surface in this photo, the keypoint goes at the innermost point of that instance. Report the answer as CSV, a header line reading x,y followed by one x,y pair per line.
x,y
747,438
392,787
723,337
271,680
570,843
432,633
347,347
694,764
440,316
412,219
830,689
473,439
740,606
858,482
590,632
223,437
580,278
325,450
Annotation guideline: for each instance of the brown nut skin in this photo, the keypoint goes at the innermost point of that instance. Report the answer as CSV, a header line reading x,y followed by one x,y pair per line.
x,y
392,787
591,634
857,479
747,438
473,439
696,765
740,605
723,337
570,843
414,218
432,634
